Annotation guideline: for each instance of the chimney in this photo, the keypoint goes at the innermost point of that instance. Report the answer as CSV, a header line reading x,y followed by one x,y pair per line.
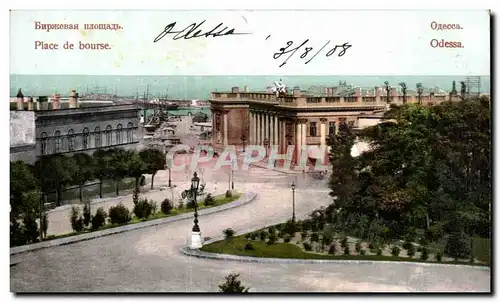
x,y
73,99
245,89
377,94
56,101
297,93
42,103
20,100
30,104
235,90
359,95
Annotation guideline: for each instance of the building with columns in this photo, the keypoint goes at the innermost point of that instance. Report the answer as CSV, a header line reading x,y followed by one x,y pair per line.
x,y
299,119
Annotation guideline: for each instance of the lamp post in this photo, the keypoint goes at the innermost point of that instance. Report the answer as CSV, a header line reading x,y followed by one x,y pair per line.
x,y
266,143
232,176
169,166
293,201
243,141
195,234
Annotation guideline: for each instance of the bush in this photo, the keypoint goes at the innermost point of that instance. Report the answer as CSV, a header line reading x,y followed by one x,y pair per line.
x,y
272,239
209,200
439,256
434,233
407,245
99,219
307,246
190,204
458,245
154,207
249,247
424,254
379,252
31,228
331,250
280,234
76,219
287,238
271,230
327,239
371,246
314,237
357,247
346,250
232,285
343,242
303,235
86,215
247,236
166,206
289,227
395,251
411,234
142,209
228,233
180,205
229,194
119,214
263,235
362,253
253,236
411,251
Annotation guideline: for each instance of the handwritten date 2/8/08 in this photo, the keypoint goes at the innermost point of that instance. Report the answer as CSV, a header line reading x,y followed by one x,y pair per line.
x,y
307,52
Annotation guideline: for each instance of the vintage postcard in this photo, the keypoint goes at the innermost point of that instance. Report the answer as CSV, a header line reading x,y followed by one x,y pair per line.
x,y
214,151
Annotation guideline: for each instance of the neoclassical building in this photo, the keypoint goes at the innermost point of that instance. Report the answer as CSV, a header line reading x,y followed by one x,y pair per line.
x,y
75,129
299,119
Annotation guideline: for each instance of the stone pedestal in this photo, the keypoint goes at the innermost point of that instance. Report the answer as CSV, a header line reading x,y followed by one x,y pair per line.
x,y
196,240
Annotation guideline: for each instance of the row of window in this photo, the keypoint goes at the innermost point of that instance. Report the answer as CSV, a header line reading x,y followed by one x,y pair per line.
x,y
313,128
58,139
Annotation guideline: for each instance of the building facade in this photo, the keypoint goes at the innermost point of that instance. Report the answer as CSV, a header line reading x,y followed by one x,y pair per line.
x,y
72,130
298,119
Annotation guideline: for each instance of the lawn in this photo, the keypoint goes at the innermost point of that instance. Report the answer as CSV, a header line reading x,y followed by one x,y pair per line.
x,y
235,246
219,200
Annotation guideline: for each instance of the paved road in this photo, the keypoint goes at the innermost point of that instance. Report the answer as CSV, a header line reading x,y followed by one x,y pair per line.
x,y
149,260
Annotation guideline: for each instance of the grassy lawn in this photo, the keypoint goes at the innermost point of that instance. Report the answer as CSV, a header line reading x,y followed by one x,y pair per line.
x,y
219,200
235,246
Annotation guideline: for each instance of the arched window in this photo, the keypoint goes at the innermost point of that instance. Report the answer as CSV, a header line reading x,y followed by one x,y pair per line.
x,y
119,130
57,141
43,143
109,138
130,132
71,140
97,137
85,138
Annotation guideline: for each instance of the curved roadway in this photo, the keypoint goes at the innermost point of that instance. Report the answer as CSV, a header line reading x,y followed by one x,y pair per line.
x,y
149,260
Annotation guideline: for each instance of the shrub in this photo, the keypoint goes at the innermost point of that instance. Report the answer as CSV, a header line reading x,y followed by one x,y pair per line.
x,y
154,207
247,236
343,242
86,215
253,235
271,230
434,233
166,206
135,195
395,251
228,233
314,237
190,204
362,253
263,235
249,247
272,239
289,227
229,194
331,250
371,246
424,254
411,251
379,252
99,219
458,245
357,247
346,250
407,245
119,214
307,246
209,200
142,209
180,205
327,239
439,256
76,219
411,234
232,285
280,234
314,227
287,238
31,228
303,235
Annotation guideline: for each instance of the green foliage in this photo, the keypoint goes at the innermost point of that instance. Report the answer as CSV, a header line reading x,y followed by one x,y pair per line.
x,y
331,249
271,230
135,195
76,219
249,247
228,233
314,237
307,246
424,255
119,214
154,160
232,285
263,235
31,232
16,233
190,204
99,219
347,250
458,245
229,194
407,245
434,233
395,251
287,238
439,256
209,200
166,206
180,205
327,239
357,247
142,209
154,207
343,242
84,172
272,239
362,253
303,235
86,215
290,227
379,251
411,251
253,235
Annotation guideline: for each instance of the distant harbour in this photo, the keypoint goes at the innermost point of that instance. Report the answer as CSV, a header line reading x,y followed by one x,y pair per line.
x,y
199,87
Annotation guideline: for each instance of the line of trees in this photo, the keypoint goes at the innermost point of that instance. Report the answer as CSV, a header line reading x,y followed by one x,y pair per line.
x,y
30,184
428,169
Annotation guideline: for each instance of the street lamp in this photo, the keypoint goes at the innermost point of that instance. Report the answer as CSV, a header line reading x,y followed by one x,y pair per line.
x,y
243,140
293,201
266,143
232,175
169,167
195,234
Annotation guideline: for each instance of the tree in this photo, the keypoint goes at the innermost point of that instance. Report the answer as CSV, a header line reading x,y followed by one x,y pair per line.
x,y
420,91
200,117
388,91
102,166
55,172
403,89
22,180
119,167
232,285
154,160
135,166
84,171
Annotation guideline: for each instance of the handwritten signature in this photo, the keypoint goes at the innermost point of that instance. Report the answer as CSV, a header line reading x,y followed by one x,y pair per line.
x,y
289,49
194,31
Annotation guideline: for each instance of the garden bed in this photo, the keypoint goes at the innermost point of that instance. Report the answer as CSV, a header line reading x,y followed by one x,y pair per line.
x,y
310,245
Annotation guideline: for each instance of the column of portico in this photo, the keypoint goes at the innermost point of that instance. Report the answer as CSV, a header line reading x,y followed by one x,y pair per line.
x,y
224,142
304,129
322,131
266,127
283,142
250,138
275,131
261,129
